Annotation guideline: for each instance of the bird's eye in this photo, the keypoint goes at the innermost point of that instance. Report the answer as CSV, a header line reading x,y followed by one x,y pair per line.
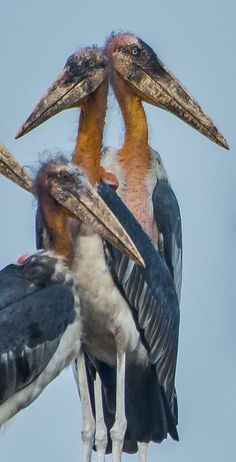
x,y
135,51
91,63
64,176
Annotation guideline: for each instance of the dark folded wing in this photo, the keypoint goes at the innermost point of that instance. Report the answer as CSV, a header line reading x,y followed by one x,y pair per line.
x,y
150,293
168,220
19,281
30,331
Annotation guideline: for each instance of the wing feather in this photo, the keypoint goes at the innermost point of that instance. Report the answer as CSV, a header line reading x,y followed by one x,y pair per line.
x,y
168,220
32,321
150,292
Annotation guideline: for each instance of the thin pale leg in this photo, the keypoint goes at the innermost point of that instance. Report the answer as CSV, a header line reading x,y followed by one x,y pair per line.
x,y
101,430
142,452
119,427
88,421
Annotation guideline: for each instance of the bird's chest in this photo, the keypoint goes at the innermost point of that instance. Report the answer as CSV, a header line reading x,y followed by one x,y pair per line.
x,y
104,312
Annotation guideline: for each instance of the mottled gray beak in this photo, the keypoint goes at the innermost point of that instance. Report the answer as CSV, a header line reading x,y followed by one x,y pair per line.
x,y
77,195
10,168
67,91
161,88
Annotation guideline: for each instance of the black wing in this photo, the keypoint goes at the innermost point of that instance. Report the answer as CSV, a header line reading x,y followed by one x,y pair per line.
x,y
150,293
33,316
168,220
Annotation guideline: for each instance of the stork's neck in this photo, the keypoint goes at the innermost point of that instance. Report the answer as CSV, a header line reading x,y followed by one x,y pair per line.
x,y
135,153
55,220
134,156
89,140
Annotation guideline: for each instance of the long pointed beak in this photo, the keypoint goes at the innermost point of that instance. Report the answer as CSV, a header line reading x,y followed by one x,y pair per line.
x,y
85,204
10,168
65,92
161,88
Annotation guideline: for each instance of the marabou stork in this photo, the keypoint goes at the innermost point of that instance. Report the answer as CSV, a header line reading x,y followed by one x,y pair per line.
x,y
40,312
137,75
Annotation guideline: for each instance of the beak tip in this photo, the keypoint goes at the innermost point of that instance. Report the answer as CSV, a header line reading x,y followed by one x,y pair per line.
x,y
226,146
19,133
139,260
22,131
222,142
143,264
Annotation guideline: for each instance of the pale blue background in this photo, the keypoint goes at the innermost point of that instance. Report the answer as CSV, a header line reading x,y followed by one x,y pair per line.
x,y
196,40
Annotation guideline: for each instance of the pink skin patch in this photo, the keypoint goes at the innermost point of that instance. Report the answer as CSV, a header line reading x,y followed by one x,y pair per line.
x,y
22,259
111,179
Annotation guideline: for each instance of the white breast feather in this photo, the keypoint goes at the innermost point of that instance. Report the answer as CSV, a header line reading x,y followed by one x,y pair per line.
x,y
104,307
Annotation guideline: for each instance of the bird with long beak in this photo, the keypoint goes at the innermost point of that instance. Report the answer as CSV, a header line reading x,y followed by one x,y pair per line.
x,y
82,84
137,75
40,311
131,316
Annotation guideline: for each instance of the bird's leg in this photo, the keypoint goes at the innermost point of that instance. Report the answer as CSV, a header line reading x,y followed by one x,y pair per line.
x,y
101,430
88,421
118,430
142,452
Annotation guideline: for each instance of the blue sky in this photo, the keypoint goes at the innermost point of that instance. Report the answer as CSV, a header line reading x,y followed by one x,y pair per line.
x,y
196,40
